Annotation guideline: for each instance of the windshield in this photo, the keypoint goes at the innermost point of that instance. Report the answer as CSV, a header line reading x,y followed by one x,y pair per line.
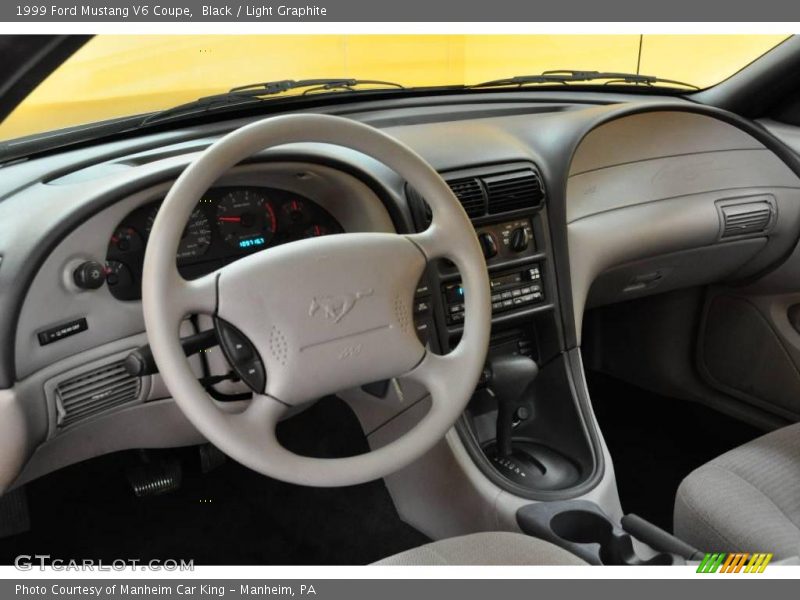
x,y
121,75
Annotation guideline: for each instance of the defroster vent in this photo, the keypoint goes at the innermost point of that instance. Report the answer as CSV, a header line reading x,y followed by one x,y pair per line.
x,y
95,391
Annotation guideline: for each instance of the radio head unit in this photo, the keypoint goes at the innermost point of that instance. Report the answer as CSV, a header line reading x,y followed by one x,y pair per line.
x,y
519,288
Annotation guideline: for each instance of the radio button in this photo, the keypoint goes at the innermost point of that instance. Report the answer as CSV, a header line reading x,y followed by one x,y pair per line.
x,y
421,307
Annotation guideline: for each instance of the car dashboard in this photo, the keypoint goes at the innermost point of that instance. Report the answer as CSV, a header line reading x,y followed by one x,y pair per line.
x,y
575,204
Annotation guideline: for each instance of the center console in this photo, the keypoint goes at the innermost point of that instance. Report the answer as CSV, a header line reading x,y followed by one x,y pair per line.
x,y
526,426
529,426
582,528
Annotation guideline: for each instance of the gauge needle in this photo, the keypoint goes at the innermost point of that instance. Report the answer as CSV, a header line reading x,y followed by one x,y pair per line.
x,y
230,219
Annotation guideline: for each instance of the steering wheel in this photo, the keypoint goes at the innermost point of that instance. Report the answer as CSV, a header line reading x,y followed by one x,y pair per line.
x,y
316,316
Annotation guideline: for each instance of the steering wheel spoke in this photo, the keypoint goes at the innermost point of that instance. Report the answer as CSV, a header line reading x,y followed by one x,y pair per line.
x,y
197,295
427,242
262,415
434,372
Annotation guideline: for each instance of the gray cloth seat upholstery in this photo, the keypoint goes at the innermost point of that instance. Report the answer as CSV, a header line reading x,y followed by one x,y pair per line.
x,y
746,500
491,548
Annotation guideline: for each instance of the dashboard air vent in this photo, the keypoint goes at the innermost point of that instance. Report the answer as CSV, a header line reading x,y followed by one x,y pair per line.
x,y
745,218
514,191
95,391
470,193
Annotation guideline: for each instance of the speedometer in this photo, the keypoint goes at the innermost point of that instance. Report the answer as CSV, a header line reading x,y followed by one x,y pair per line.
x,y
246,219
196,237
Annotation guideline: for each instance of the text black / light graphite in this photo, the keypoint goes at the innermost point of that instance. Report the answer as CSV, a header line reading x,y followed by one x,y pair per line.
x,y
260,11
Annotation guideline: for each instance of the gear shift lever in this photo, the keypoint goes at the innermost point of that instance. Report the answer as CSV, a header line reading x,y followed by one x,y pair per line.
x,y
529,462
511,376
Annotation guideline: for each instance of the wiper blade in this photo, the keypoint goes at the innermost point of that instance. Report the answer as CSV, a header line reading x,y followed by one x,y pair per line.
x,y
257,92
312,85
567,76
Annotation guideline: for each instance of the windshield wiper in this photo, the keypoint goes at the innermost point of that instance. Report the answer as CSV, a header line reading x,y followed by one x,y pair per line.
x,y
257,92
567,76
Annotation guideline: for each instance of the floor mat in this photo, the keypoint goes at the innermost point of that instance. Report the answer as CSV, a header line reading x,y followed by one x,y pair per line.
x,y
656,441
230,516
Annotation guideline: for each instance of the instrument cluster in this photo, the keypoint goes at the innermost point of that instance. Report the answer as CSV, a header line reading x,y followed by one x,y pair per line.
x,y
227,224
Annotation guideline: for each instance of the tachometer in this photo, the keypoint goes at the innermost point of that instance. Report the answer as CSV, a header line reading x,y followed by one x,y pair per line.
x,y
196,237
246,219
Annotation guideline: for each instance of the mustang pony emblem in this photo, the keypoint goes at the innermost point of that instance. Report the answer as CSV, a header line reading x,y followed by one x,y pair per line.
x,y
335,308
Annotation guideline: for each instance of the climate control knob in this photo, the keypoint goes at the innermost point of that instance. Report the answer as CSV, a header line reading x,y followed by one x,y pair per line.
x,y
488,244
519,239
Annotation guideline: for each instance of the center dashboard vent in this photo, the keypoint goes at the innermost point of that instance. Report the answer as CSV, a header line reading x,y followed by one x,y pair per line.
x,y
750,217
491,191
514,191
470,193
95,391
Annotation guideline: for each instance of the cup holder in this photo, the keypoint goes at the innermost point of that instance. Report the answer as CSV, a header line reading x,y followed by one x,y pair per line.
x,y
583,529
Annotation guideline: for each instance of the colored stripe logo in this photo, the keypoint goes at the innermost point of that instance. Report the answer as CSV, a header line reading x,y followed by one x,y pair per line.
x,y
735,562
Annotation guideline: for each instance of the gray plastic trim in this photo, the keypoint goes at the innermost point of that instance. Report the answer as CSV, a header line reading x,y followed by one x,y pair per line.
x,y
662,178
666,272
159,424
646,185
649,136
16,437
